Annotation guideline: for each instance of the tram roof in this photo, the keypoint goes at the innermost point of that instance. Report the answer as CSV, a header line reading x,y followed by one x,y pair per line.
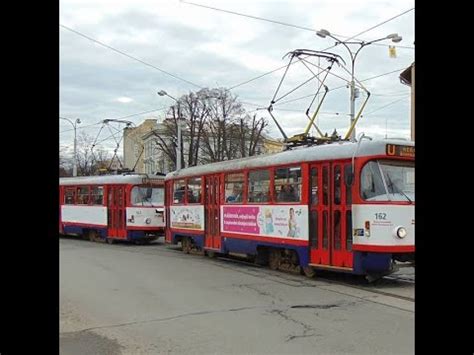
x,y
337,150
110,179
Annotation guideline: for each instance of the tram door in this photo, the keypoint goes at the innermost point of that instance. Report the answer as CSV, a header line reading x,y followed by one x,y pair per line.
x,y
168,200
116,212
212,239
330,219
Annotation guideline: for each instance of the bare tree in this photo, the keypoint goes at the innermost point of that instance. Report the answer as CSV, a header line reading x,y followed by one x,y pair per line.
x,y
230,133
250,134
194,110
65,165
216,128
89,162
224,112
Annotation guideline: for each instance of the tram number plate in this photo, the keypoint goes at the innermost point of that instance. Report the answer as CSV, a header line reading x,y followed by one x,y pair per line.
x,y
380,216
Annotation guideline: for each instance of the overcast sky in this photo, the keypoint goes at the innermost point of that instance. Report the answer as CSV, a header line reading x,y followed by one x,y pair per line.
x,y
210,48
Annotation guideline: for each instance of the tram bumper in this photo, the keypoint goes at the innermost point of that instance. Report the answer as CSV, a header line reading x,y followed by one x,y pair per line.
x,y
372,263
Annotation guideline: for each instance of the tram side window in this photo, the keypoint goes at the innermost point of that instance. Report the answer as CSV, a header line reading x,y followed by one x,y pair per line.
x,y
83,195
314,186
337,184
288,184
259,186
348,182
234,188
179,191
194,190
97,195
325,186
69,197
371,184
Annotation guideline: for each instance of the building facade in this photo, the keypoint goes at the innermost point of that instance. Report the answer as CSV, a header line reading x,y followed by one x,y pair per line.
x,y
133,145
143,154
407,77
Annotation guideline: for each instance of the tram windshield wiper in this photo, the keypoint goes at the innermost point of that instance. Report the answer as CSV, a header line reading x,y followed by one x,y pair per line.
x,y
395,188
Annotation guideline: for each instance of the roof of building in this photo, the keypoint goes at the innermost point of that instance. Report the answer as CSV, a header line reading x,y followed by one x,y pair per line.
x,y
405,76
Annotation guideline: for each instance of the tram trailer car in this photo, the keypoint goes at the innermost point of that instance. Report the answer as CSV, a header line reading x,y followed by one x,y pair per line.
x,y
343,206
112,207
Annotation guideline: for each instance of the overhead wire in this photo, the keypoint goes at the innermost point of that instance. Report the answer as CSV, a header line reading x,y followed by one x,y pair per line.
x,y
118,118
342,86
353,37
389,104
382,23
292,25
129,56
234,86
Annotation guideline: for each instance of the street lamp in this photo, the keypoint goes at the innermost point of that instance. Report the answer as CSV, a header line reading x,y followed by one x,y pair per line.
x,y
74,124
180,121
325,33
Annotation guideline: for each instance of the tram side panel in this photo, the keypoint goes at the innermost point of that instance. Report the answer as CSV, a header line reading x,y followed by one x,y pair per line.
x,y
243,229
117,220
246,228
77,218
187,221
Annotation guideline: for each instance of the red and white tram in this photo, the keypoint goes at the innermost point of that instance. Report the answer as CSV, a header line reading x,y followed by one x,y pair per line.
x,y
112,207
343,206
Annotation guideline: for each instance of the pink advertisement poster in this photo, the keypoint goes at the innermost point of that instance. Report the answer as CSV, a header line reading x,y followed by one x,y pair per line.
x,y
241,219
289,221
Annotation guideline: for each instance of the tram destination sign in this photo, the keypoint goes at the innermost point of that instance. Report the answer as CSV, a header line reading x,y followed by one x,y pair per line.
x,y
400,150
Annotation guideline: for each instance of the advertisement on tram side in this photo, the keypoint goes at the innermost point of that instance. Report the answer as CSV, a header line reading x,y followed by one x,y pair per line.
x,y
288,221
187,217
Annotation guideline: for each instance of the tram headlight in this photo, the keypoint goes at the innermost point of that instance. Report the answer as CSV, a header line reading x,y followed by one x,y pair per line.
x,y
148,220
401,232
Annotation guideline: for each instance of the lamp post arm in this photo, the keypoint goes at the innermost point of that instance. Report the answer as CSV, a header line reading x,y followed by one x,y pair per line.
x,y
364,44
338,41
67,119
171,97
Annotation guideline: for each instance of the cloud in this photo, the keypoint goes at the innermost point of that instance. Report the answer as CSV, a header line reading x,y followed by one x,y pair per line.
x,y
124,100
215,49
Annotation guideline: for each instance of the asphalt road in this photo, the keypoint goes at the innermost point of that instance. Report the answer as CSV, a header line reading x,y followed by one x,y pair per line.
x,y
128,299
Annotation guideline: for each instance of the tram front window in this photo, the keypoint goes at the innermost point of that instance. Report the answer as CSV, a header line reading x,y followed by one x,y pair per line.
x,y
147,196
388,180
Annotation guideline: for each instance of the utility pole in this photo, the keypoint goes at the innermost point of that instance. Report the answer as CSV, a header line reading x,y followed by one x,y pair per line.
x,y
180,122
74,124
323,33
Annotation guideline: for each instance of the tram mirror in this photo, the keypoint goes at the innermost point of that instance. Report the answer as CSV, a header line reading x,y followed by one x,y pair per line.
x,y
348,175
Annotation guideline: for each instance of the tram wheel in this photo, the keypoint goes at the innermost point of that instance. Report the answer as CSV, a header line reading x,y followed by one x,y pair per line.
x,y
186,245
308,271
110,241
274,259
93,236
211,254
